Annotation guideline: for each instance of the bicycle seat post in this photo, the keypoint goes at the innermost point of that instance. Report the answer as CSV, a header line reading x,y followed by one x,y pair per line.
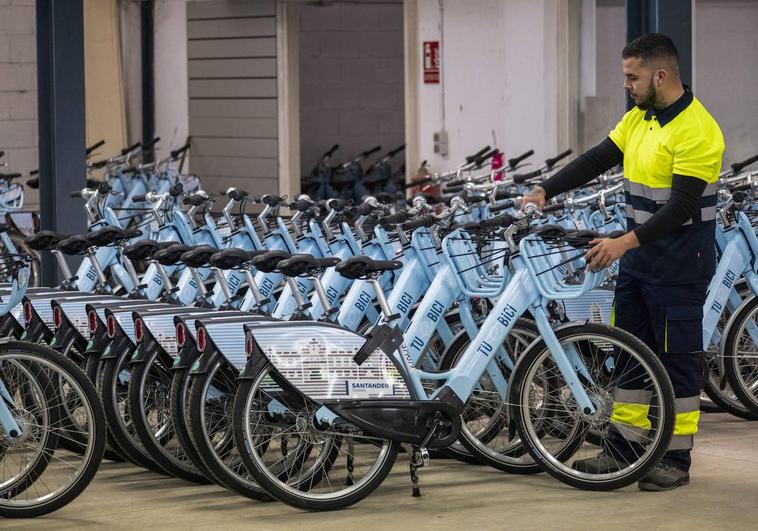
x,y
253,285
63,265
129,266
386,311
218,274
322,297
296,292
101,280
200,283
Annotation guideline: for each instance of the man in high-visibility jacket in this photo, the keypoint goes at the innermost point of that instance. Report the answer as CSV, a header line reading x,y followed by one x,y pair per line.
x,y
671,148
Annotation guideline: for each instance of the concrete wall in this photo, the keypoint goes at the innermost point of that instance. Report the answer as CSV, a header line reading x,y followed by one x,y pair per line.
x,y
502,79
18,88
726,77
351,79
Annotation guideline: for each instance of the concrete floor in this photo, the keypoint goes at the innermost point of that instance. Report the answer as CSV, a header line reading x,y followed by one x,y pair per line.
x,y
723,494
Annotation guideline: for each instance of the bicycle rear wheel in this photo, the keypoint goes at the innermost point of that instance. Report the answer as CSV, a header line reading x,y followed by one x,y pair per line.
x,y
47,475
298,462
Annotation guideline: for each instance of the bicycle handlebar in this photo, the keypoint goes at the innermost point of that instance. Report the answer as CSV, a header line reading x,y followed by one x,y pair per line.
x,y
738,166
484,158
131,148
472,158
554,208
94,146
175,153
520,178
424,221
551,162
516,160
331,151
150,144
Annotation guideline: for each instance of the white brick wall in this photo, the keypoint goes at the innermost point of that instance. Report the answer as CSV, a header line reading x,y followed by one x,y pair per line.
x,y
351,79
18,89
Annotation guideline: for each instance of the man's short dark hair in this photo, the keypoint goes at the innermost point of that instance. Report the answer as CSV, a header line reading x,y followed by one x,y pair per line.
x,y
653,49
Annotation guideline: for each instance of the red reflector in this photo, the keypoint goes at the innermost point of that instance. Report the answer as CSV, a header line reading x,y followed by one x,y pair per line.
x,y
138,330
180,334
57,317
201,339
92,321
249,344
27,312
111,322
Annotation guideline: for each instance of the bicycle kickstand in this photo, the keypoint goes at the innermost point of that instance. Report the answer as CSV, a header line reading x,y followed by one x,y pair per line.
x,y
420,454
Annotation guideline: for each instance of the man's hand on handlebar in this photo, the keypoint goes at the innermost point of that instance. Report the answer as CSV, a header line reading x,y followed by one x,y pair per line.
x,y
536,196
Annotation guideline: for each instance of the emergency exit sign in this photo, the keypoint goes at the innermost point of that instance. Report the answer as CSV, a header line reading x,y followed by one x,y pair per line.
x,y
431,62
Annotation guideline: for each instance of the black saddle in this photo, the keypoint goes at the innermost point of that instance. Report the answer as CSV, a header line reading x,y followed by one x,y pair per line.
x,y
45,240
358,267
305,264
171,255
268,262
199,256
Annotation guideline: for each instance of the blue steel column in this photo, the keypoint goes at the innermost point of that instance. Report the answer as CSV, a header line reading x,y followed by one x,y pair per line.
x,y
61,119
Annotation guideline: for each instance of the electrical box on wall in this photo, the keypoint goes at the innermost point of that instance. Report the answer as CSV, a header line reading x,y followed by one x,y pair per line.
x,y
440,143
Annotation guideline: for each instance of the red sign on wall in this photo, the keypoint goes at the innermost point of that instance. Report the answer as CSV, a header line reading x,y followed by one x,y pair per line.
x,y
431,62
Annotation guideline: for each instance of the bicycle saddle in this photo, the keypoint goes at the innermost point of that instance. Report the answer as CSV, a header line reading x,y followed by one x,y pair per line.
x,y
171,254
45,240
232,258
357,267
304,264
268,262
199,256
111,235
144,249
76,244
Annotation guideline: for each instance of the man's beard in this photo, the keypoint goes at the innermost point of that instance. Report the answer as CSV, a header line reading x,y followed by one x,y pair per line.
x,y
650,98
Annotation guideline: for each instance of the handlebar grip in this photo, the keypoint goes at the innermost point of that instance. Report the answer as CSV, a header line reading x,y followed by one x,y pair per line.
x,y
472,158
236,194
425,180
554,208
520,178
132,233
396,151
361,210
516,160
2,153
337,205
399,217
454,189
76,193
510,203
370,151
739,197
551,162
503,220
130,148
33,173
738,166
741,187
504,194
331,151
139,198
301,205
424,221
151,143
176,190
484,158
94,146
180,151
99,164
455,182
271,200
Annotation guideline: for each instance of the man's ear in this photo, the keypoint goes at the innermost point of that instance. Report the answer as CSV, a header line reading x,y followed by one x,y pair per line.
x,y
660,76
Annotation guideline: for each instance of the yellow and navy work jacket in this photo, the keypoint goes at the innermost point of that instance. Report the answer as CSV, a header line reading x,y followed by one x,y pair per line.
x,y
682,139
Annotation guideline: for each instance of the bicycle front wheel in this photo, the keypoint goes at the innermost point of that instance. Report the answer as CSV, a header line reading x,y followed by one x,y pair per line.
x,y
618,366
